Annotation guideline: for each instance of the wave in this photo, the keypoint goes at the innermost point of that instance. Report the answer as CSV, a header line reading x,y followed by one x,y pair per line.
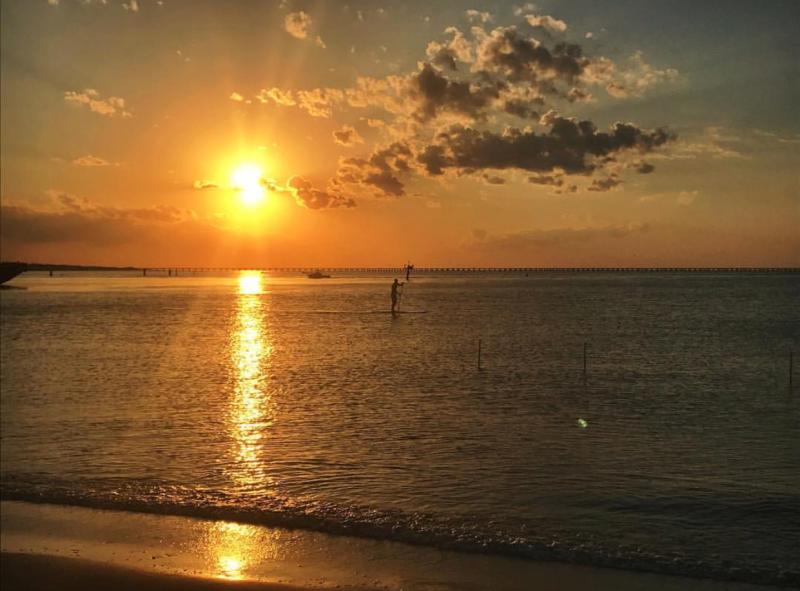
x,y
417,528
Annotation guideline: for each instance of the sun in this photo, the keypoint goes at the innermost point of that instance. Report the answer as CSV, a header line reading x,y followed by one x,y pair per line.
x,y
247,179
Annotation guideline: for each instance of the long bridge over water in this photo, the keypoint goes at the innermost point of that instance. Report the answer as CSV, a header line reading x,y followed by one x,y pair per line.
x,y
417,270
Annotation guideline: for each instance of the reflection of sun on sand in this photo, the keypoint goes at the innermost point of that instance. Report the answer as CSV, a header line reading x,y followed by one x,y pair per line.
x,y
237,547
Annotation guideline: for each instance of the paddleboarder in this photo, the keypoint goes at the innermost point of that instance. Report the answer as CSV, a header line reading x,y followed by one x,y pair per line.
x,y
395,287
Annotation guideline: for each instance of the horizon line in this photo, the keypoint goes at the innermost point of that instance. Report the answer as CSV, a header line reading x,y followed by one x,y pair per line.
x,y
429,269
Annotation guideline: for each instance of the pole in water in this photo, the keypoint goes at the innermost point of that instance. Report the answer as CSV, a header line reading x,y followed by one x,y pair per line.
x,y
479,355
584,362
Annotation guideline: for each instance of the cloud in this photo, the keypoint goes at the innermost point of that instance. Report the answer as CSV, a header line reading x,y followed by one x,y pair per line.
x,y
235,96
90,160
77,220
506,53
644,167
546,22
493,179
523,8
131,5
547,179
320,101
379,172
447,55
297,24
204,184
347,136
111,107
633,79
605,184
524,109
434,94
570,146
308,196
277,96
476,16
450,115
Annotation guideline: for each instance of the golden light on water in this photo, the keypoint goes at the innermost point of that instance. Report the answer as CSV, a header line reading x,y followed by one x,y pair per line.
x,y
250,283
251,408
247,179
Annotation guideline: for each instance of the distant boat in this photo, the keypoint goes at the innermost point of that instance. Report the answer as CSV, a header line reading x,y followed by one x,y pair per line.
x,y
318,275
10,270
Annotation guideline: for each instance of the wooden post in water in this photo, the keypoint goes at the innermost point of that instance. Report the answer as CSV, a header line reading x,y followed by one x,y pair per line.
x,y
584,362
479,355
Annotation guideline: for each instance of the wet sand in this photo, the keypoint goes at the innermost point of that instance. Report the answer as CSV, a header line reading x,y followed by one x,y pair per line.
x,y
37,572
60,547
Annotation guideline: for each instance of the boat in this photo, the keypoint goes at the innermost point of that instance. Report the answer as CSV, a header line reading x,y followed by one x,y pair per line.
x,y
318,275
10,270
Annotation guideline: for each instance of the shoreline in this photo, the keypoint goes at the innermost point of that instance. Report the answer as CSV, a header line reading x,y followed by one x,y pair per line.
x,y
311,527
176,550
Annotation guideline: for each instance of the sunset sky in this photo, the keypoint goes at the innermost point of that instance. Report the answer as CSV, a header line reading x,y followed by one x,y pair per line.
x,y
565,132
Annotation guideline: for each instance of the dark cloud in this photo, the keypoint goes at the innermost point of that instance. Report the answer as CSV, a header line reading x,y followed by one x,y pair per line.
x,y
605,184
80,221
547,179
494,180
645,168
347,136
525,109
308,196
516,58
443,57
435,93
380,171
571,146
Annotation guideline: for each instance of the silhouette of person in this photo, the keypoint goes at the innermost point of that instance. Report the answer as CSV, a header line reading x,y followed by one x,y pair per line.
x,y
409,268
395,285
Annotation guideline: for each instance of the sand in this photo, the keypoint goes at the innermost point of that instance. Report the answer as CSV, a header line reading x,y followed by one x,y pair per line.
x,y
58,547
36,572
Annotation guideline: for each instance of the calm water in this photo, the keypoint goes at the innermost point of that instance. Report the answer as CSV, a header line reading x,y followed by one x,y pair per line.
x,y
284,400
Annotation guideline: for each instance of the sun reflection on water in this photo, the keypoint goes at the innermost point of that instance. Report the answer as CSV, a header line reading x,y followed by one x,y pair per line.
x,y
252,407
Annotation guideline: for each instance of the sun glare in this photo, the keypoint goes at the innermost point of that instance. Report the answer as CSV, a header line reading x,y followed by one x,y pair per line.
x,y
247,179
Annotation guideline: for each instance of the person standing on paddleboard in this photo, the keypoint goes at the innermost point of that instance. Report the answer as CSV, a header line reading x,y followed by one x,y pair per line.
x,y
395,285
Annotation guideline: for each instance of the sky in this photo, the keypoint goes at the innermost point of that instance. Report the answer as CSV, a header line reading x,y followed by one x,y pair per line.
x,y
322,133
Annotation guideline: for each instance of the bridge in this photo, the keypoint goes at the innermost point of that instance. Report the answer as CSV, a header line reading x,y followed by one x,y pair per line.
x,y
177,271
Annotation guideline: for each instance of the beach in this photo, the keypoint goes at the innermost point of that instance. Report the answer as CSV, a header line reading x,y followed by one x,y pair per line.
x,y
78,548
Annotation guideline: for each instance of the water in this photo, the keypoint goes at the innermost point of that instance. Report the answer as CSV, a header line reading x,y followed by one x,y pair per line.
x,y
278,399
